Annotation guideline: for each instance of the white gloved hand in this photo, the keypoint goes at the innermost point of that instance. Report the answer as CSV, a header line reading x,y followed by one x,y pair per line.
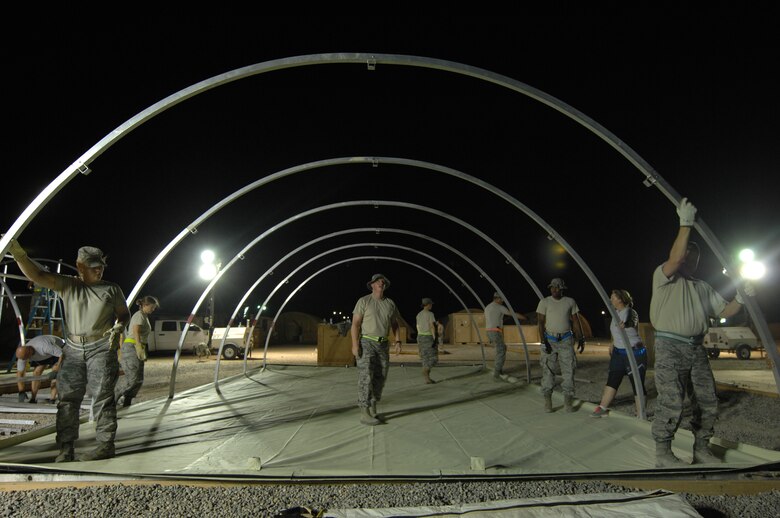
x,y
16,250
687,213
118,329
749,290
140,351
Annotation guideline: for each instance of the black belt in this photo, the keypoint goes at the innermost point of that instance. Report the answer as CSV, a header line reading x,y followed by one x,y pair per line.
x,y
79,339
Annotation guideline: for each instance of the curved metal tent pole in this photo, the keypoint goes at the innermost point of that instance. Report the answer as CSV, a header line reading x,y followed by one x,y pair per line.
x,y
10,294
373,161
323,254
376,230
360,258
378,245
81,165
5,291
652,178
375,203
337,249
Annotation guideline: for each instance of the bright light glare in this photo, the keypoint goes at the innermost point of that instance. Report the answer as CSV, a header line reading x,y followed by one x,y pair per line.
x,y
722,320
208,271
207,256
747,255
753,270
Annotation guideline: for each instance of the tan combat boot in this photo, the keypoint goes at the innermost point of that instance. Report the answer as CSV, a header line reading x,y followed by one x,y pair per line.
x,y
548,403
567,403
66,453
702,453
664,458
105,450
367,418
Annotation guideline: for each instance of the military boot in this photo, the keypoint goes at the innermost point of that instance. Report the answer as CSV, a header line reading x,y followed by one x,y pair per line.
x,y
374,412
548,403
367,418
702,453
105,450
66,453
664,458
567,403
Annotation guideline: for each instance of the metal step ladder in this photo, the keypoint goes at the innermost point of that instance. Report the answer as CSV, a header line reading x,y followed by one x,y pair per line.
x,y
45,311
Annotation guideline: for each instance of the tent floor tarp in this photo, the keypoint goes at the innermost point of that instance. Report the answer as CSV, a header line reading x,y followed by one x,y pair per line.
x,y
301,422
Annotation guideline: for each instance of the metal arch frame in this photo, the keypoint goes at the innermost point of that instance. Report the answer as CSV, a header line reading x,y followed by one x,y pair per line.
x,y
5,290
373,161
377,245
240,255
376,230
652,178
10,294
360,258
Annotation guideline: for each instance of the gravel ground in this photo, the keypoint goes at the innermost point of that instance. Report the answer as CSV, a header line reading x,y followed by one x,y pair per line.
x,y
744,417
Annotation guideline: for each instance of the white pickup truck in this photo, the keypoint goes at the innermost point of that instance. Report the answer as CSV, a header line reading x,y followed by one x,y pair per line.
x,y
235,343
166,333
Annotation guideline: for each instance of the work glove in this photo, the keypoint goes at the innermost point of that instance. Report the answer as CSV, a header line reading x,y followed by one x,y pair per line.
x,y
22,397
547,346
749,290
140,351
16,250
118,329
687,213
581,345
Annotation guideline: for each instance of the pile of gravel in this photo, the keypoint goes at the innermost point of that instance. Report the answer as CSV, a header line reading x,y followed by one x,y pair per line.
x,y
264,500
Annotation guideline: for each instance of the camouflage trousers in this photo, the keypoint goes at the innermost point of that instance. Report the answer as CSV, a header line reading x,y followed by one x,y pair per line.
x,y
681,369
93,368
562,354
497,340
134,373
373,365
429,355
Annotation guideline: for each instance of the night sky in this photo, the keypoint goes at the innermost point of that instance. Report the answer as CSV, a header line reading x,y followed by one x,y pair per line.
x,y
694,94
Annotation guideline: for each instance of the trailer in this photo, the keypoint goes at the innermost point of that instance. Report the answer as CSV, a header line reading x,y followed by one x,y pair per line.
x,y
739,340
235,343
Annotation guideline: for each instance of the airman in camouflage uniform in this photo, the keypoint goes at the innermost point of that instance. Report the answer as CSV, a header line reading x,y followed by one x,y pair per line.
x,y
426,332
89,360
373,317
680,309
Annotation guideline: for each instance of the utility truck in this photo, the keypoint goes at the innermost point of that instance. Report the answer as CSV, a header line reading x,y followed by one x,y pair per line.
x,y
235,343
166,333
739,340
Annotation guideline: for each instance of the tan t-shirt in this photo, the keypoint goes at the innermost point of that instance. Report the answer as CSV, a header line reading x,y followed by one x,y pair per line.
x,y
425,322
89,310
683,306
145,327
558,313
377,314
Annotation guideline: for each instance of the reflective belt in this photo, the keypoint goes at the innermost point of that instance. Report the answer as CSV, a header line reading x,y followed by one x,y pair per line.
x,y
130,340
424,334
559,337
376,338
692,340
637,350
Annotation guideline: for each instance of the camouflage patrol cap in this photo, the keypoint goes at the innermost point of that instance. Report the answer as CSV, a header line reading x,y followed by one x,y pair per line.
x,y
557,283
91,256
